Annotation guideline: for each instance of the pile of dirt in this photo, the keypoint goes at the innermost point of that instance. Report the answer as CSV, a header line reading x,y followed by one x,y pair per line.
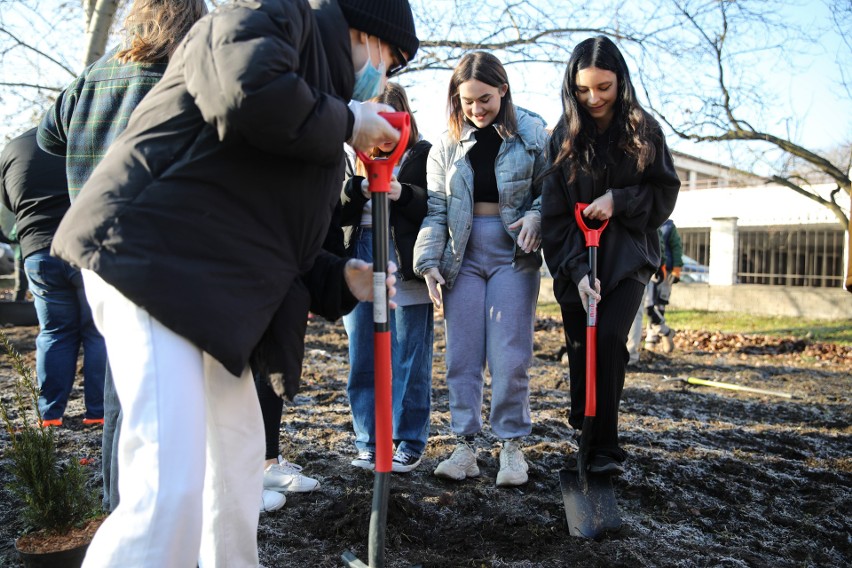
x,y
713,478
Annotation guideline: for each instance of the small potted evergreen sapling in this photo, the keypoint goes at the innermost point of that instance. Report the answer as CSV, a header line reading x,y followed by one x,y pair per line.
x,y
58,508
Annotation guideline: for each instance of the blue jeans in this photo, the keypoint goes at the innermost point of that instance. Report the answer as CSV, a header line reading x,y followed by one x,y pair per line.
x,y
65,322
411,348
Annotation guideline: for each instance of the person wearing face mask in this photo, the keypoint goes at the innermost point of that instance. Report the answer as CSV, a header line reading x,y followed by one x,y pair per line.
x,y
477,249
190,235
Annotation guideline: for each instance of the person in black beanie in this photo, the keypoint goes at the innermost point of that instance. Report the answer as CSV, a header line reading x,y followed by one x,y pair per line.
x,y
191,233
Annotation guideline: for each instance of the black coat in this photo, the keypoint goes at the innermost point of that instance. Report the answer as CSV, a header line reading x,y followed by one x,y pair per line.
x,y
219,193
630,245
406,213
33,186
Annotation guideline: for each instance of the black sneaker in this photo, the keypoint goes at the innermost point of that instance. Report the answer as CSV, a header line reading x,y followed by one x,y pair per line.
x,y
404,462
605,465
366,459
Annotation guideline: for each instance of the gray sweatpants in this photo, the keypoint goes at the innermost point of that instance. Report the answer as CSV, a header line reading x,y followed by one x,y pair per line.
x,y
489,315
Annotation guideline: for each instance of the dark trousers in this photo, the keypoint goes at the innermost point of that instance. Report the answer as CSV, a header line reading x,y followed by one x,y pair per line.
x,y
616,311
271,407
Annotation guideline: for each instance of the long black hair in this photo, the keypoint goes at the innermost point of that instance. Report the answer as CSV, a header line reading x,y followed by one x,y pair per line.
x,y
574,135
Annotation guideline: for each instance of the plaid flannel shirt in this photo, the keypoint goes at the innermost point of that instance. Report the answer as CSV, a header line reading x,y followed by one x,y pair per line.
x,y
92,111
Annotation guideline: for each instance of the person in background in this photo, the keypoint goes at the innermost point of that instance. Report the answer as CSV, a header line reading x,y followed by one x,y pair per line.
x,y
656,298
9,235
478,252
277,371
190,233
605,151
33,187
411,323
87,117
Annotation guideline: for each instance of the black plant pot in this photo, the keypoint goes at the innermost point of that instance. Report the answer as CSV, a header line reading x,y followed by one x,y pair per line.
x,y
71,558
18,313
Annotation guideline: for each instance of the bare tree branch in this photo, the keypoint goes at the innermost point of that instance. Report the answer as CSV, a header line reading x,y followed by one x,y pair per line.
x,y
20,43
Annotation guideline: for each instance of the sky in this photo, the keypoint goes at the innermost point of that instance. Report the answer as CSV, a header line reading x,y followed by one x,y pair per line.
x,y
809,96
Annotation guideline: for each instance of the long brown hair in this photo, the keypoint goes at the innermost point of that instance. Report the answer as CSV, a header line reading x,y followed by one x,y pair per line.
x,y
574,134
154,28
484,67
393,95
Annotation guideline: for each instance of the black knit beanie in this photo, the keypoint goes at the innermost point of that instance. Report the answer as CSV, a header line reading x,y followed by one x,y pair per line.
x,y
388,20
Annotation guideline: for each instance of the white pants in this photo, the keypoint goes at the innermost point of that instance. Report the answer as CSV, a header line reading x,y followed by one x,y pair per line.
x,y
191,448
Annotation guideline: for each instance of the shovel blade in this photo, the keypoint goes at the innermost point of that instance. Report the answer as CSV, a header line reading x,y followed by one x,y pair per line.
x,y
591,512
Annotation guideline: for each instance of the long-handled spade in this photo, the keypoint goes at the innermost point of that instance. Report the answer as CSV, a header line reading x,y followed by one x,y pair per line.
x,y
589,499
379,173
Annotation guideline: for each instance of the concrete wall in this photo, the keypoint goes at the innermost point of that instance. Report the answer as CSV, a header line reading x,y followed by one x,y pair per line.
x,y
811,303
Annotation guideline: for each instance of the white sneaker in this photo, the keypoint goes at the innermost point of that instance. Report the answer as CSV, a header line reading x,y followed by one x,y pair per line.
x,y
286,476
404,462
271,501
513,466
460,465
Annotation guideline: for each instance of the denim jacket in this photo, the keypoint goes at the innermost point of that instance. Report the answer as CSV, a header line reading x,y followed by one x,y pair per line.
x,y
444,233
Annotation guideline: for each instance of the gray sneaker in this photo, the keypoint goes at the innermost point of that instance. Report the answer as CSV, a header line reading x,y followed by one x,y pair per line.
x,y
461,464
286,476
667,341
513,466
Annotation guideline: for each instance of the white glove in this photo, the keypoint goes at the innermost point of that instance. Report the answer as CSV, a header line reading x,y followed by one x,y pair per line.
x,y
370,129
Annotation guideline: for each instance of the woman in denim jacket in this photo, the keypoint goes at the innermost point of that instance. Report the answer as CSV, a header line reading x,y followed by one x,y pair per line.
x,y
478,251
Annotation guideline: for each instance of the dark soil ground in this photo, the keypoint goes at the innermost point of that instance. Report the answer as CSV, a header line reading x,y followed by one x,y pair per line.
x,y
713,478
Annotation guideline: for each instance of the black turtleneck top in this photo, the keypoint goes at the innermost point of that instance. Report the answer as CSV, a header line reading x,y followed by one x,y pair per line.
x,y
482,158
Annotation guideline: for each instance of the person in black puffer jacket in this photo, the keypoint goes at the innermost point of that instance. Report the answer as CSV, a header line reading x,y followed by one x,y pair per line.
x,y
190,234
411,323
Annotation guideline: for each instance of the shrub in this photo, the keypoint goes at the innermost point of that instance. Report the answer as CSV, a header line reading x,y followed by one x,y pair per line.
x,y
54,491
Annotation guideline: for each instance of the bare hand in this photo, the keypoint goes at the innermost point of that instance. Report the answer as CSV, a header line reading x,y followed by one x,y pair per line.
x,y
395,189
586,291
393,194
529,239
434,281
359,279
601,208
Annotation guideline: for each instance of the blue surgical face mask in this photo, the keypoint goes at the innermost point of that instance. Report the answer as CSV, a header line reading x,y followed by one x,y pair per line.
x,y
368,81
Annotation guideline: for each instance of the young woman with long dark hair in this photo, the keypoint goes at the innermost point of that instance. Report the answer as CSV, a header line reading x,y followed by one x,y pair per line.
x,y
608,152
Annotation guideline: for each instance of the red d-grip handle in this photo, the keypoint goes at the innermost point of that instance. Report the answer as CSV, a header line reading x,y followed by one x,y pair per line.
x,y
593,236
380,170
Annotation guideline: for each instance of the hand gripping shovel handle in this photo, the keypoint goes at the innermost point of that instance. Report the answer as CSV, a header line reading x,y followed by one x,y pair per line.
x,y
593,238
379,172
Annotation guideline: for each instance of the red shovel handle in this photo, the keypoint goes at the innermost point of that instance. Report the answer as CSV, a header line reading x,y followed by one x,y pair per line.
x,y
380,170
593,236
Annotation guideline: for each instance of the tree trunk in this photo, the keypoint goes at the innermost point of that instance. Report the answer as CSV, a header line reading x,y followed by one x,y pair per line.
x,y
97,28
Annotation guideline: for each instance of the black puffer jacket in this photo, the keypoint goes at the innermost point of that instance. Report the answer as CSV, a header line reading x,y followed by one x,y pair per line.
x,y
406,213
219,193
630,245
